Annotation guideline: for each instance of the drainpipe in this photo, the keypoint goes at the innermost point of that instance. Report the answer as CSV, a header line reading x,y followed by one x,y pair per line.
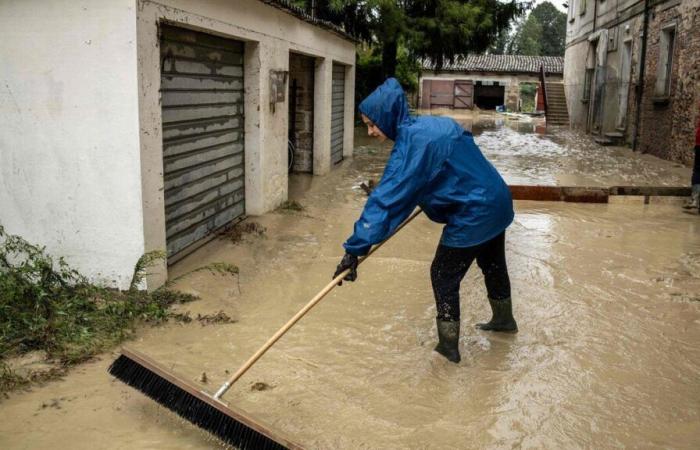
x,y
595,14
640,85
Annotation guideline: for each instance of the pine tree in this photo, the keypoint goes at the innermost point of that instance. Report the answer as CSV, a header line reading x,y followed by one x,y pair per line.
x,y
436,29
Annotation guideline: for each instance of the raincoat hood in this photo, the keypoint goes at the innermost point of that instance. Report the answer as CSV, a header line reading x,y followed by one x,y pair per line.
x,y
387,107
434,164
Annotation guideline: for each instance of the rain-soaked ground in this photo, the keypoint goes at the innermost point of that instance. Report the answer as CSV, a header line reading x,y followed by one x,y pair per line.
x,y
527,152
607,299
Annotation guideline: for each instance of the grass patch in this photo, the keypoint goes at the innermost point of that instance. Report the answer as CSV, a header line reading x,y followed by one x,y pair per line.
x,y
46,305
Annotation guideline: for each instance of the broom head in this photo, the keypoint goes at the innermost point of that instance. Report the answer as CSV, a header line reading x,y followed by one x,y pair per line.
x,y
189,402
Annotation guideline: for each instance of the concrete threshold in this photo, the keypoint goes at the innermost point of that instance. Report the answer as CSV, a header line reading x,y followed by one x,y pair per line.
x,y
614,194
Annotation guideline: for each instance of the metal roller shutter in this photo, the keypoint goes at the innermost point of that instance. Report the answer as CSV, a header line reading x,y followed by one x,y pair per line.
x,y
202,101
337,113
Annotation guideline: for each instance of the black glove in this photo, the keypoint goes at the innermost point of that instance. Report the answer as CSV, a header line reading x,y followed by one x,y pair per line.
x,y
348,262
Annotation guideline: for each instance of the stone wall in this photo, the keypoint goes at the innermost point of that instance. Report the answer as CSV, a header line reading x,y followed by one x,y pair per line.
x,y
667,124
301,80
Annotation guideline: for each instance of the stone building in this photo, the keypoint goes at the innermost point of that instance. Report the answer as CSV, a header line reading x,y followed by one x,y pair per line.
x,y
484,81
632,73
133,125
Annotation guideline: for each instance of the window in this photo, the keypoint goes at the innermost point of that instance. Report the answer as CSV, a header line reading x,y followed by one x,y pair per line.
x,y
587,84
665,63
590,70
572,10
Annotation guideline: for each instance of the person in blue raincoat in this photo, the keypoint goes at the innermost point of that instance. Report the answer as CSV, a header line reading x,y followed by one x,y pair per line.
x,y
436,165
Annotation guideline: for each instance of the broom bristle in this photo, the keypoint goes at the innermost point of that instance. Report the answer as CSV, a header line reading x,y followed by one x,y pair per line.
x,y
193,408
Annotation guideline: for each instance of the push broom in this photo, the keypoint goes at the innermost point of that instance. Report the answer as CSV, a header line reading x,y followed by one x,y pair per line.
x,y
208,412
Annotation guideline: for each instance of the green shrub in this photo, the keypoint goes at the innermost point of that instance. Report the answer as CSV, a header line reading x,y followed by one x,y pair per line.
x,y
46,305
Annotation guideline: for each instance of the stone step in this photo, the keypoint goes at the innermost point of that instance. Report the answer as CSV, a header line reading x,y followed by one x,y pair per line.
x,y
614,135
603,141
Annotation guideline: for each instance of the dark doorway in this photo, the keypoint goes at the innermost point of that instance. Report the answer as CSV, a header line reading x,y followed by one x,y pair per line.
x,y
488,96
301,113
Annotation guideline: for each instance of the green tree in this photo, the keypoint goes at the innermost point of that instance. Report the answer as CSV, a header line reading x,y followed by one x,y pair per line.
x,y
553,24
369,71
542,33
435,29
527,38
443,29
500,44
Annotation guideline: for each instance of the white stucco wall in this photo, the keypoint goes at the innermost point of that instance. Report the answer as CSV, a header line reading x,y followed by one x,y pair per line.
x,y
81,154
270,35
69,144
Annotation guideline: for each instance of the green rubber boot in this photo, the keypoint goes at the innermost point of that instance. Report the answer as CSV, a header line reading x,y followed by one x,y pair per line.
x,y
502,319
448,335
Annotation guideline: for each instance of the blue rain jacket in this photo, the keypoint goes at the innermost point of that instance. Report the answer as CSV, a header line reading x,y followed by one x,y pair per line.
x,y
436,165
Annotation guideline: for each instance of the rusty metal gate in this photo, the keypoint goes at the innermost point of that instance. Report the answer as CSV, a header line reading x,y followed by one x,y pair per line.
x,y
464,94
202,106
337,113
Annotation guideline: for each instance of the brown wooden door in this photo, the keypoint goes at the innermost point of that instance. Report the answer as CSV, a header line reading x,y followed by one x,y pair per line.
x,y
441,93
464,94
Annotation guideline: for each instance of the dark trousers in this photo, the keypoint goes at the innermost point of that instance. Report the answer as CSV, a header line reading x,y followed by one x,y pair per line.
x,y
696,166
451,264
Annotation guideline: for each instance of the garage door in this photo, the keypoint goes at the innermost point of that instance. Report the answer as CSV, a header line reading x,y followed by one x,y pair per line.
x,y
337,113
202,101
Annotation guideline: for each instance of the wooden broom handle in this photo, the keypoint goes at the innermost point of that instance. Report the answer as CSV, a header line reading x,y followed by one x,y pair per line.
x,y
244,368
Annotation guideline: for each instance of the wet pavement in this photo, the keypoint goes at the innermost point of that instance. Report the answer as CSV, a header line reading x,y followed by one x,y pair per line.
x,y
526,151
607,298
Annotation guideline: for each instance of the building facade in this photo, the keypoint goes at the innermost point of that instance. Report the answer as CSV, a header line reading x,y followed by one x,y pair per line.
x,y
484,81
133,125
632,73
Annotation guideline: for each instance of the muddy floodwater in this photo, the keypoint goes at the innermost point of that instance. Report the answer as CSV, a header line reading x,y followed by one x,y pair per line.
x,y
607,299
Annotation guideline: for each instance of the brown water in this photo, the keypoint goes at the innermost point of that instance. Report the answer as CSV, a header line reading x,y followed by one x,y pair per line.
x,y
607,298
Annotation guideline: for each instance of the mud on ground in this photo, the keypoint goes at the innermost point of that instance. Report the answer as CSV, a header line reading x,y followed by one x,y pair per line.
x,y
607,356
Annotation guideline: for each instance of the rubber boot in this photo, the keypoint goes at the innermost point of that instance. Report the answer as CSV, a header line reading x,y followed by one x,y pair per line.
x,y
502,319
694,201
448,335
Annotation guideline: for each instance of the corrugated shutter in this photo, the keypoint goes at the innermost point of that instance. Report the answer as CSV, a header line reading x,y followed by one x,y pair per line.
x,y
337,113
202,100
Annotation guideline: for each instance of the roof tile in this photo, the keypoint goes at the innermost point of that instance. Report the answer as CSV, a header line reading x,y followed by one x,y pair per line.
x,y
500,63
